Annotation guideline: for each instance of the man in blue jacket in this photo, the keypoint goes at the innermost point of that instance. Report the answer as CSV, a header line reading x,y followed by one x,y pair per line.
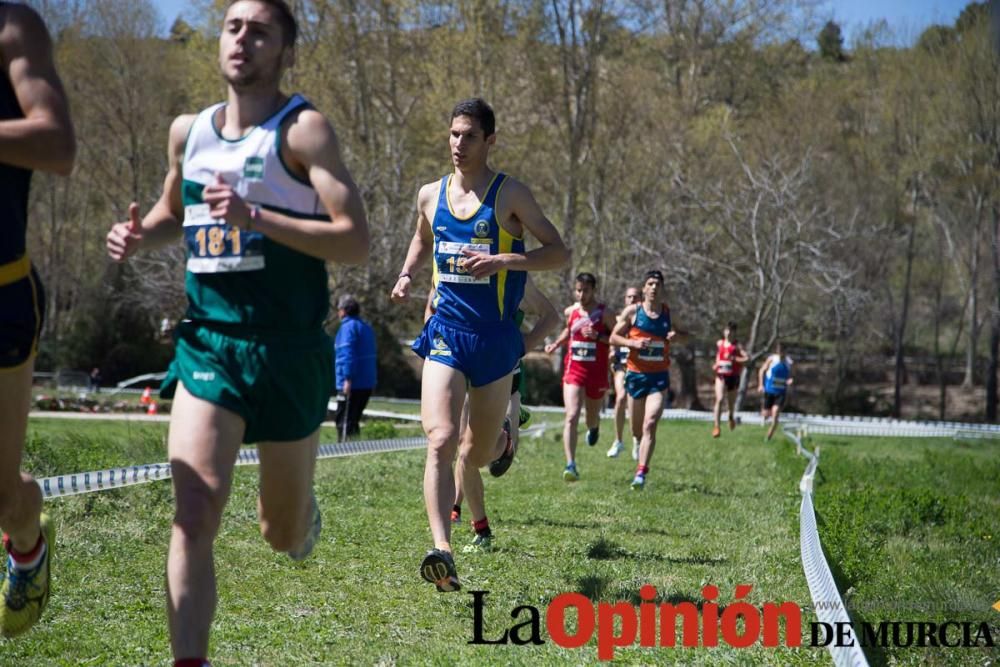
x,y
355,365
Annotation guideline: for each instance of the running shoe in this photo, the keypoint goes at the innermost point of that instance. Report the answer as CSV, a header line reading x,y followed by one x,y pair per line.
x,y
312,536
635,449
592,435
438,567
502,464
456,516
716,431
26,592
523,417
481,544
732,423
616,449
638,482
570,474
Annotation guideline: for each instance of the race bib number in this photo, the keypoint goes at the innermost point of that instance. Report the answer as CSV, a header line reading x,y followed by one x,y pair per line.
x,y
652,353
778,383
215,247
725,367
451,262
581,350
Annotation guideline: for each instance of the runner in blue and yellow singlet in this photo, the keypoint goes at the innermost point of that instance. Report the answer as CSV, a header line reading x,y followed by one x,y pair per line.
x,y
35,134
471,223
258,190
646,329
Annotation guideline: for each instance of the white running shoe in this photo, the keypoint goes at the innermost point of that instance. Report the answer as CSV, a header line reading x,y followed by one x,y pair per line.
x,y
616,449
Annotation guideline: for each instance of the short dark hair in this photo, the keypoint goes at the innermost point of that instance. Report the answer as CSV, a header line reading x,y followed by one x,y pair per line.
x,y
286,18
349,305
587,278
477,108
731,325
655,273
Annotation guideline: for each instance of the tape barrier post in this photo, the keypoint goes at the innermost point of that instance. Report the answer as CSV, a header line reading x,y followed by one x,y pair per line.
x,y
117,478
827,603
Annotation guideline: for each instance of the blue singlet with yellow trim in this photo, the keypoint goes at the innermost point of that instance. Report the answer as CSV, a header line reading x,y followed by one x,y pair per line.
x,y
461,297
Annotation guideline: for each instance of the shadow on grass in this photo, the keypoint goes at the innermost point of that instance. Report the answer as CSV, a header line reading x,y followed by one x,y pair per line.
x,y
535,521
680,487
604,549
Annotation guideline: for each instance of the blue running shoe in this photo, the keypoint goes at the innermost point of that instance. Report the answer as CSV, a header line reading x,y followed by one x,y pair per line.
x,y
570,474
638,482
481,544
312,535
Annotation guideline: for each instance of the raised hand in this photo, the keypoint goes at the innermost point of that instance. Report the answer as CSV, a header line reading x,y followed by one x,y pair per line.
x,y
125,237
225,204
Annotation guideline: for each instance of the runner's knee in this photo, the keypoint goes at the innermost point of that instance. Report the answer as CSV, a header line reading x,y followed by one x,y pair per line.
x,y
198,511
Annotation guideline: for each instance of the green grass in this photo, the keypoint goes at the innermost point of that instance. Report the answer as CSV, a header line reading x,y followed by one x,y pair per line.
x,y
722,512
911,528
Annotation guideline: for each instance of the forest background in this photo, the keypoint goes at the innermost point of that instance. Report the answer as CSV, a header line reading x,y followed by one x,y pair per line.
x,y
843,201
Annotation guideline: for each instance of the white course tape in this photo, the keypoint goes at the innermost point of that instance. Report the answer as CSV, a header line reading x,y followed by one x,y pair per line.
x,y
822,587
116,478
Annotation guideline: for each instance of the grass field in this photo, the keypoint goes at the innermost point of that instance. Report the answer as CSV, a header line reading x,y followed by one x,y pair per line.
x,y
905,523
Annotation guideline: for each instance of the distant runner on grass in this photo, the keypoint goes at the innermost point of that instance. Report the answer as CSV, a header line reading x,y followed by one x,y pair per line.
x,y
585,366
646,329
728,365
773,380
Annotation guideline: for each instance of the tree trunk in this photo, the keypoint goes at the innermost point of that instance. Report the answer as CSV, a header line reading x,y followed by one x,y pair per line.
x,y
899,375
686,362
938,357
973,342
991,371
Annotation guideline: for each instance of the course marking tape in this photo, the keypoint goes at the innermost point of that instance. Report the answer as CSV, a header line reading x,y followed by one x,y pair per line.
x,y
827,603
116,478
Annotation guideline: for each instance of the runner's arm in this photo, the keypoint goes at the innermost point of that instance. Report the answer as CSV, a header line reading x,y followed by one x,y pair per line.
x,y
162,224
421,245
537,303
760,374
429,306
44,138
619,335
744,357
313,146
552,255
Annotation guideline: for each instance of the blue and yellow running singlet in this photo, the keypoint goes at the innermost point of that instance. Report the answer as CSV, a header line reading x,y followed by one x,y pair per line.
x,y
460,296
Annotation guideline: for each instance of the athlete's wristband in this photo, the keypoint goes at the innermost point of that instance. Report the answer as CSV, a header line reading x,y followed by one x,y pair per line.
x,y
404,275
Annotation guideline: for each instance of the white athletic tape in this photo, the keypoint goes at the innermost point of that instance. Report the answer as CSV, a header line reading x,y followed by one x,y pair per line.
x,y
827,603
116,478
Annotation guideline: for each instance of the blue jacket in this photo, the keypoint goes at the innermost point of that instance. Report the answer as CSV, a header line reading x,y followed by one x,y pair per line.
x,y
355,358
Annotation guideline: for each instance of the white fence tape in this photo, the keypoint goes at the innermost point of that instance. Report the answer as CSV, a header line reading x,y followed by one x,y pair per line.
x,y
116,478
827,603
